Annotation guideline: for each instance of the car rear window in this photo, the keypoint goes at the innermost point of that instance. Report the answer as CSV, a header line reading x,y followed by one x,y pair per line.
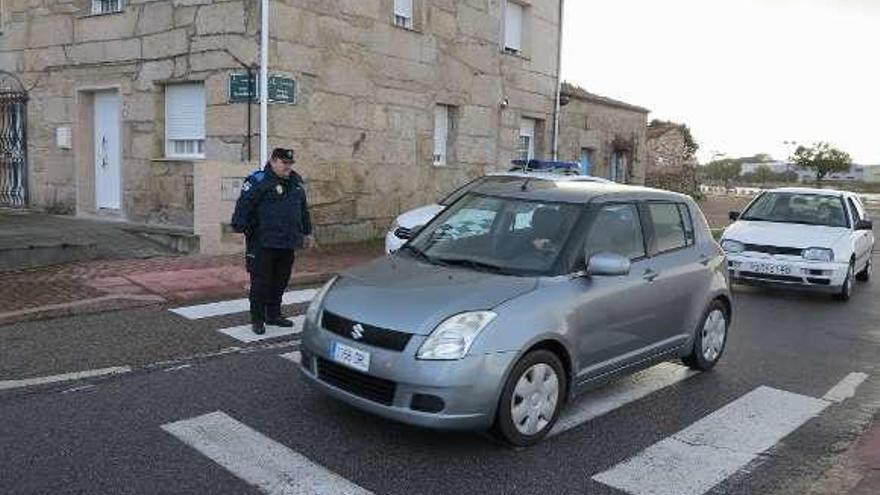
x,y
670,232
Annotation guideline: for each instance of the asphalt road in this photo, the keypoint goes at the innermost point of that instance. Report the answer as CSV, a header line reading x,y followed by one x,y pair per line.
x,y
122,434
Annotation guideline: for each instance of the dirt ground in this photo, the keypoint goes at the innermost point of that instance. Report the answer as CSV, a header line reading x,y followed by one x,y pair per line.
x,y
716,208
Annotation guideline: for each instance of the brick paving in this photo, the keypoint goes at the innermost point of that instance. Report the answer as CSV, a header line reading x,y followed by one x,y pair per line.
x,y
173,279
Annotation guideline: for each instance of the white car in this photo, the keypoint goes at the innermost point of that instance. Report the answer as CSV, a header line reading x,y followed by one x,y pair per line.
x,y
404,224
816,239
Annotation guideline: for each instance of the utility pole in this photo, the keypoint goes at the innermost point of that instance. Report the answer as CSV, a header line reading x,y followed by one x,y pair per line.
x,y
264,82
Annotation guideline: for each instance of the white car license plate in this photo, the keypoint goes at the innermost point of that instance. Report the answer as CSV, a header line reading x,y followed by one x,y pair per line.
x,y
349,356
771,269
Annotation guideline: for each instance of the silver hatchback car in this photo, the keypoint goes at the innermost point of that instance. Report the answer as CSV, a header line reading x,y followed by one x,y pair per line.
x,y
514,298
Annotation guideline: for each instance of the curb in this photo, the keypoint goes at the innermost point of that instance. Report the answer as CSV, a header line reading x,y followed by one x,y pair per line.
x,y
116,302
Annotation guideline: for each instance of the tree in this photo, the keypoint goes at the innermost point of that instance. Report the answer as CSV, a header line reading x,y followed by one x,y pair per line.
x,y
724,170
762,175
821,158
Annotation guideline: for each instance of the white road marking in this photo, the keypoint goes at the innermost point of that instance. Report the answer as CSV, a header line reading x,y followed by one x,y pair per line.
x,y
846,388
257,459
244,333
294,356
233,306
709,451
43,380
706,453
618,394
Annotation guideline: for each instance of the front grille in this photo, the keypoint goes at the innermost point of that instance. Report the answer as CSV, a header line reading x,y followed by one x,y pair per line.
x,y
819,281
403,233
767,276
357,383
370,335
760,248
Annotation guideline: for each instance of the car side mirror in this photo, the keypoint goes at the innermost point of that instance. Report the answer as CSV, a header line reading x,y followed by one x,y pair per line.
x,y
407,234
864,225
607,264
733,215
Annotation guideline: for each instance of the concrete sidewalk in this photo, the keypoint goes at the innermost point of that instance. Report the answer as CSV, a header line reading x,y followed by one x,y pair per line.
x,y
114,284
31,239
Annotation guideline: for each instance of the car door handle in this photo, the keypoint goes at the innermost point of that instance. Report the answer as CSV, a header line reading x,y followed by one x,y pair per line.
x,y
650,275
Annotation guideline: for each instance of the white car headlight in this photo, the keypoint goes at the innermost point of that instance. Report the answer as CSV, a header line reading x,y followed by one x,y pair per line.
x,y
452,339
318,301
732,247
818,254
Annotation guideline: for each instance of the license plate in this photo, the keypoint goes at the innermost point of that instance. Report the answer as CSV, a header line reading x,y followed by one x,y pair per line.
x,y
771,269
349,356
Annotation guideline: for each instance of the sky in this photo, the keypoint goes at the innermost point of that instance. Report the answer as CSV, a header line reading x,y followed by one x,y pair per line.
x,y
745,75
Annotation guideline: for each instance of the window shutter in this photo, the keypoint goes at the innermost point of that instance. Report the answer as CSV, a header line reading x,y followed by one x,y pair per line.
x,y
185,111
403,8
441,133
513,21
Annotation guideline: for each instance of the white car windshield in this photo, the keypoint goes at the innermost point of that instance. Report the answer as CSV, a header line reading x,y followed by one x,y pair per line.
x,y
496,234
803,208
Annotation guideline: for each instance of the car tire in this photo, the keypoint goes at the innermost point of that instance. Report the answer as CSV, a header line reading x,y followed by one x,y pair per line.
x,y
846,289
865,275
531,399
710,339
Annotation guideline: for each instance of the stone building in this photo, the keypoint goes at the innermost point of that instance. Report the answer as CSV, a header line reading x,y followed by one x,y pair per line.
x,y
139,108
607,137
672,162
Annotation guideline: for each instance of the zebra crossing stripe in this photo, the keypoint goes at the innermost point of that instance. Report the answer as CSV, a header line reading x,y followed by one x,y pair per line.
x,y
694,460
257,459
244,333
233,306
294,356
602,401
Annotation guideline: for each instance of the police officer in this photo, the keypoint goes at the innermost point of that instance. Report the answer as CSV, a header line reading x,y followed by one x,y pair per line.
x,y
273,214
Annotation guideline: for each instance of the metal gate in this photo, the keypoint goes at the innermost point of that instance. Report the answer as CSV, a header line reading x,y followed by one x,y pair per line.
x,y
13,141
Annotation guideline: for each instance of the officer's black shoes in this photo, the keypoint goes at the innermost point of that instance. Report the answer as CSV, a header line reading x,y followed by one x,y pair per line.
x,y
259,328
280,322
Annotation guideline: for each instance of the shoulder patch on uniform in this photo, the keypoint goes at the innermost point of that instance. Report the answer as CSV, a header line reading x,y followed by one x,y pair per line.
x,y
257,176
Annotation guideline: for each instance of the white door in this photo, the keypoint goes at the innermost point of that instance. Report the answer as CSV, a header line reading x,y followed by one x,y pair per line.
x,y
108,187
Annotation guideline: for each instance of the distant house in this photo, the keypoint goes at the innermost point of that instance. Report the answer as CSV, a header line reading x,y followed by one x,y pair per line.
x,y
671,160
871,173
775,167
606,136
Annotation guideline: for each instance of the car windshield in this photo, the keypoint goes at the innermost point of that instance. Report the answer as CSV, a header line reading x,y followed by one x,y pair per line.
x,y
786,207
461,191
499,235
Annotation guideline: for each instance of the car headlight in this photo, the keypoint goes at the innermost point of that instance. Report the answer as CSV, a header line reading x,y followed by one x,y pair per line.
x,y
452,339
732,247
318,301
818,254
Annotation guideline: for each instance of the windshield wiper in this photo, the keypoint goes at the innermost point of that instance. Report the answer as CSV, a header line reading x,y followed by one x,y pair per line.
x,y
418,253
476,265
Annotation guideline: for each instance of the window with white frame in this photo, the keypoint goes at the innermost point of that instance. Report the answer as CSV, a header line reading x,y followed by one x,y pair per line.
x,y
185,120
403,13
526,148
444,126
106,6
514,27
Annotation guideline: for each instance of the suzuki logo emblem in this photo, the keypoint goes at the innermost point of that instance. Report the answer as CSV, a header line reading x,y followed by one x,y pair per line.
x,y
357,332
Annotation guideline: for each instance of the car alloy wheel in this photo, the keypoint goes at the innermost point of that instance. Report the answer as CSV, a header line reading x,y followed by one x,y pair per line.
x,y
531,399
710,337
535,399
847,289
714,334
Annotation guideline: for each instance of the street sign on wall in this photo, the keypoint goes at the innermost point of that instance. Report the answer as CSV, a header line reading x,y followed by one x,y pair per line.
x,y
240,88
282,89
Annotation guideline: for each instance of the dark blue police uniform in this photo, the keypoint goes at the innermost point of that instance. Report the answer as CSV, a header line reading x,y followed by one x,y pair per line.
x,y
273,214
